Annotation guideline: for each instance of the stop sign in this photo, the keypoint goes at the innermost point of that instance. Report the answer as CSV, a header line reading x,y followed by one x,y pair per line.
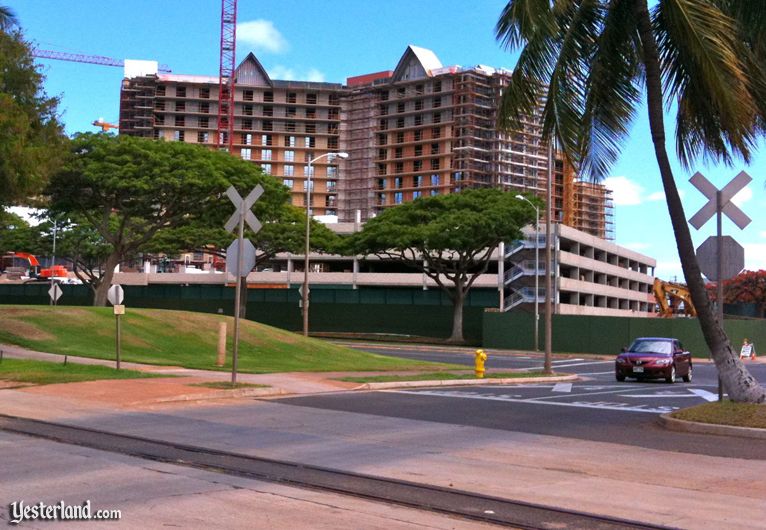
x,y
733,258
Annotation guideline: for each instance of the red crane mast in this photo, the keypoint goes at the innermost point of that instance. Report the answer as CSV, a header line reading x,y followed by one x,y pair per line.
x,y
225,130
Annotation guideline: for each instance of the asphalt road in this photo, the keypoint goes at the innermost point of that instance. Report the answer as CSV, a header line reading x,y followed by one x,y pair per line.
x,y
597,408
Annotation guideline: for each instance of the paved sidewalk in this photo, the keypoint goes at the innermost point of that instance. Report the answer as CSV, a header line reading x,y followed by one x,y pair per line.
x,y
603,478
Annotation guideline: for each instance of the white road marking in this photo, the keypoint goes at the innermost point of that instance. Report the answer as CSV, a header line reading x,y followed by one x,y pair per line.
x,y
659,395
596,373
704,394
608,405
575,364
562,387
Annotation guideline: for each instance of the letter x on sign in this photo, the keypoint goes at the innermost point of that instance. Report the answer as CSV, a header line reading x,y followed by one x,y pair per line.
x,y
244,205
731,210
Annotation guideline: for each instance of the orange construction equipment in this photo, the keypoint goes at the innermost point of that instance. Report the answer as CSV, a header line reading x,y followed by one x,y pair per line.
x,y
105,126
9,260
670,296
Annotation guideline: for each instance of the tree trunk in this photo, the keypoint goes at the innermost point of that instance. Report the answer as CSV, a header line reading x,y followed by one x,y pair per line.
x,y
457,315
99,297
737,381
243,297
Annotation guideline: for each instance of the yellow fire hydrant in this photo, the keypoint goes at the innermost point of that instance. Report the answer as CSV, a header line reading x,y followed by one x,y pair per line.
x,y
479,363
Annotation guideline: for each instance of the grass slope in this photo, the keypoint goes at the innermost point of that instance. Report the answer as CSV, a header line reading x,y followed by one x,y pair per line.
x,y
47,373
183,338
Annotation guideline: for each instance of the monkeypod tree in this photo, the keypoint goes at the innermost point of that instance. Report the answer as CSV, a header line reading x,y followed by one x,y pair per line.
x,y
129,189
450,238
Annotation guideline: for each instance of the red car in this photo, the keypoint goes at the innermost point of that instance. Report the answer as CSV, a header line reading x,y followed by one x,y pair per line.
x,y
654,358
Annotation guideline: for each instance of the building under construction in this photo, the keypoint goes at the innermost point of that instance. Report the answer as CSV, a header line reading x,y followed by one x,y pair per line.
x,y
419,130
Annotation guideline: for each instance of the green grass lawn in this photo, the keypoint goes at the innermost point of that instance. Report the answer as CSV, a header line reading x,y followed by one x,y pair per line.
x,y
726,413
182,338
47,373
438,376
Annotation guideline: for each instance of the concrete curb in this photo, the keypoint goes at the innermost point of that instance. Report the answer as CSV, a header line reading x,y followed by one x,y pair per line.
x,y
674,424
218,394
465,382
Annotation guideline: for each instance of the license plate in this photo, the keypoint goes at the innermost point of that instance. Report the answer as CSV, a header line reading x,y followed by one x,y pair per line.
x,y
638,369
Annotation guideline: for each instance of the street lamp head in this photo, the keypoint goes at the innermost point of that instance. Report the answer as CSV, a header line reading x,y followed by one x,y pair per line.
x,y
342,154
520,197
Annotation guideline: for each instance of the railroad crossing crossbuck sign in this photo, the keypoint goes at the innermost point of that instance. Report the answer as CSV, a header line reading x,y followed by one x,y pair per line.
x,y
245,204
731,210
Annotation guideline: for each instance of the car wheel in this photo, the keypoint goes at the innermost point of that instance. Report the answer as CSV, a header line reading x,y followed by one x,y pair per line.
x,y
671,378
619,377
688,376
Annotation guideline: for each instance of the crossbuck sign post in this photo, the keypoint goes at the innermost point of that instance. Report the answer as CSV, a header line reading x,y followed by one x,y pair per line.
x,y
719,202
241,216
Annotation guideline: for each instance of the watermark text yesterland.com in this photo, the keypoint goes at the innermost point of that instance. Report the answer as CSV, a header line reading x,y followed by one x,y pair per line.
x,y
21,511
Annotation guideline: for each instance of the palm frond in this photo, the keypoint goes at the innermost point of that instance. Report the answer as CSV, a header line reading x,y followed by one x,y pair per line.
x,y
522,20
7,18
613,91
700,51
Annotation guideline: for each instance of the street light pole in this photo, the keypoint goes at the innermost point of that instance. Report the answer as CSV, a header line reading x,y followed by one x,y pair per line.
x,y
537,270
548,359
305,294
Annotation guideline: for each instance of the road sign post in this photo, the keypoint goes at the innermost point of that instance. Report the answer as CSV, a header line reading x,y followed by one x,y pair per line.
x,y
241,216
719,203
55,293
116,295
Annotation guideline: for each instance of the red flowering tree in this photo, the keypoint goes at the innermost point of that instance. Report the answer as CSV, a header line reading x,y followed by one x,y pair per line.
x,y
748,287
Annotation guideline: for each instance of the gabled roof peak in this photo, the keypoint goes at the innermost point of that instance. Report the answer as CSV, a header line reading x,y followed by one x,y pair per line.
x,y
251,72
416,63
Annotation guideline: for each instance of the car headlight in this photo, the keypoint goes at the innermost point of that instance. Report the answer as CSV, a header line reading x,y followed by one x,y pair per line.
x,y
621,360
663,362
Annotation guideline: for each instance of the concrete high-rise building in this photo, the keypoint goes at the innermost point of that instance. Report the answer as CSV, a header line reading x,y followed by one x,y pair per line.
x,y
422,129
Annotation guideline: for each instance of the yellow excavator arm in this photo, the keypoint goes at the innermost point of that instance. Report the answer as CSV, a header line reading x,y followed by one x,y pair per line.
x,y
669,297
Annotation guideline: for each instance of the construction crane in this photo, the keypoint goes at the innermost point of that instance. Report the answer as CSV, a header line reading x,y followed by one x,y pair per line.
x,y
226,75
670,296
90,59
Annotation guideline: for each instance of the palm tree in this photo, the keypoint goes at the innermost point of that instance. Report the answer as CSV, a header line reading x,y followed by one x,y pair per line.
x,y
7,18
591,61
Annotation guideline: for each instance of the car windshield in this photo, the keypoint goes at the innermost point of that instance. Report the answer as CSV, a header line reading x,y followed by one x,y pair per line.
x,y
650,346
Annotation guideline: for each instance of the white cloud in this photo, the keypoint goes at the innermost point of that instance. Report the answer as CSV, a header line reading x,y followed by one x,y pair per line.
x,y
755,256
763,234
744,195
637,246
625,192
261,35
315,76
285,73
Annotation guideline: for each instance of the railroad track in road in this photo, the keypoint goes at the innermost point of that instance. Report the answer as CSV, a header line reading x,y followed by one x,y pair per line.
x,y
458,503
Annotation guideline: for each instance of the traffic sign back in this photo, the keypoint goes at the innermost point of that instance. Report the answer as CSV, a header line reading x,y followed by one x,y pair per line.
x,y
248,257
115,295
733,258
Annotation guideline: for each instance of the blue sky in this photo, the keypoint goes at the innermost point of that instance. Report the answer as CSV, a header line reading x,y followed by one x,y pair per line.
x,y
329,40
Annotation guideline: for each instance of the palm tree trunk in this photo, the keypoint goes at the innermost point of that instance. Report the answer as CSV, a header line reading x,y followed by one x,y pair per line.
x,y
737,381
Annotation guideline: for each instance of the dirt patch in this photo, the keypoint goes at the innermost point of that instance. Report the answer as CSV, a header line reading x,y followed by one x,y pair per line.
x,y
19,328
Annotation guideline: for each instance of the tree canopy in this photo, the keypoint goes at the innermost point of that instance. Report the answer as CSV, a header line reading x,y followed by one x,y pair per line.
x,y
450,238
129,190
31,137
